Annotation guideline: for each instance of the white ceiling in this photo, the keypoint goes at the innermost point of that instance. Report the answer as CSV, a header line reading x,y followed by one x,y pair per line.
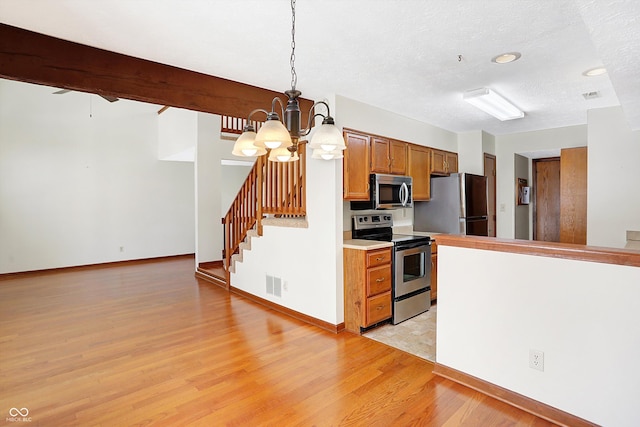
x,y
399,55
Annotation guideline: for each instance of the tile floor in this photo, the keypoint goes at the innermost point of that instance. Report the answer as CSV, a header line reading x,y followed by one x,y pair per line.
x,y
416,335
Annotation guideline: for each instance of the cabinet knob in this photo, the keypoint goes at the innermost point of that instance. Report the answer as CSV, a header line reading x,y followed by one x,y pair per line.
x,y
381,279
380,258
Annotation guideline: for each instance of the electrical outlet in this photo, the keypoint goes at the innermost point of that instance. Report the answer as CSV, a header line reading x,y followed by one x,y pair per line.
x,y
536,359
285,286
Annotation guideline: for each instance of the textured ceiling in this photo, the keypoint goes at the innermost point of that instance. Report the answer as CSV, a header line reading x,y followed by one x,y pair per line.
x,y
402,55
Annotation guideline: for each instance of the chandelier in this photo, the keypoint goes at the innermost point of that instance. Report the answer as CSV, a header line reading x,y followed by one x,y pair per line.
x,y
282,138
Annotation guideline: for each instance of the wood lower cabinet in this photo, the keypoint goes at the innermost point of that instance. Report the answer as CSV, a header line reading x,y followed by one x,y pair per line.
x,y
434,271
355,167
443,162
367,287
419,167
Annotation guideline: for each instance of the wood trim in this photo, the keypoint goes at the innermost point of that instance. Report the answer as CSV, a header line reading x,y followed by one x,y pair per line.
x,y
20,274
512,398
211,279
36,58
289,312
547,249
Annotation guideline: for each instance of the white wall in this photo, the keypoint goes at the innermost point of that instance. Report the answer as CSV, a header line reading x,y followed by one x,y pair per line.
x,y
208,171
470,152
234,177
177,134
488,144
366,118
507,146
584,316
80,179
613,206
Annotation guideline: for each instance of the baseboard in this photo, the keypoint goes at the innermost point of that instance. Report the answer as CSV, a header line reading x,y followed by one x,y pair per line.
x,y
289,312
4,276
512,398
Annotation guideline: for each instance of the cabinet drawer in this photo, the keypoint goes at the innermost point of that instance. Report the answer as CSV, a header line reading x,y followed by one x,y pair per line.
x,y
378,308
378,257
378,279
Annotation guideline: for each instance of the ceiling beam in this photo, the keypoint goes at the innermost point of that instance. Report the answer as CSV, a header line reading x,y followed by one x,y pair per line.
x,y
36,58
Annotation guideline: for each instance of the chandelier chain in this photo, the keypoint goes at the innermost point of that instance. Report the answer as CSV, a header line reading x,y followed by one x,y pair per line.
x,y
294,76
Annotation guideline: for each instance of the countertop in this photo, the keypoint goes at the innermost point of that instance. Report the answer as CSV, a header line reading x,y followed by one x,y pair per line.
x,y
365,245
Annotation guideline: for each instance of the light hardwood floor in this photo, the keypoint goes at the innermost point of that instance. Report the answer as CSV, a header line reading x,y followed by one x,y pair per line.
x,y
149,344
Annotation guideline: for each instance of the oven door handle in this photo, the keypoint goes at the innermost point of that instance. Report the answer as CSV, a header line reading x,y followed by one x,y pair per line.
x,y
413,251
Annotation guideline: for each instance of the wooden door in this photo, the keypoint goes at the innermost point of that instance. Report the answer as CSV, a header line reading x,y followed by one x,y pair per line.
x,y
573,195
546,199
380,162
490,173
356,166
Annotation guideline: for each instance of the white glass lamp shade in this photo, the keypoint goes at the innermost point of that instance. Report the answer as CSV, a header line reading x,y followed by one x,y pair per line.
x,y
281,154
273,134
319,153
327,138
245,146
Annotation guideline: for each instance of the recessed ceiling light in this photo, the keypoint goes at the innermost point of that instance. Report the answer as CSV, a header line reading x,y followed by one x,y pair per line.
x,y
505,58
598,71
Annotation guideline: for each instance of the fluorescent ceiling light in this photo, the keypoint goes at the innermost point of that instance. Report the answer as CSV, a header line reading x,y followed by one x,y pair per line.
x,y
492,103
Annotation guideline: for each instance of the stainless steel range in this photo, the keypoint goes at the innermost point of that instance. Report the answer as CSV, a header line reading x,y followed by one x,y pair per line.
x,y
411,290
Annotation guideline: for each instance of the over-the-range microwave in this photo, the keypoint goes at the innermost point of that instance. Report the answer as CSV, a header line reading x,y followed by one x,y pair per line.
x,y
387,192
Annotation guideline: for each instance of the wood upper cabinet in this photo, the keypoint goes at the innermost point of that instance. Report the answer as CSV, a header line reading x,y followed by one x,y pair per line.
x,y
443,162
398,155
356,166
380,161
419,168
367,287
388,156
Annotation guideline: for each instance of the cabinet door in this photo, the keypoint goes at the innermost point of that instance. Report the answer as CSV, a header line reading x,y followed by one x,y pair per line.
x,y
378,280
438,162
380,161
398,154
451,162
378,308
355,168
378,257
419,167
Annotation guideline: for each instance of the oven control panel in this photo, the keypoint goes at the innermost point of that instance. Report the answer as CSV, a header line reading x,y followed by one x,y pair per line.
x,y
361,222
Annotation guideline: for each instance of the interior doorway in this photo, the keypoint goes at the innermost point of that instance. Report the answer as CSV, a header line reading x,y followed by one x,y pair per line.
x,y
490,173
546,199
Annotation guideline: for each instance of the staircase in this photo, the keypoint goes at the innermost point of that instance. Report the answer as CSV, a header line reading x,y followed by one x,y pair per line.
x,y
273,191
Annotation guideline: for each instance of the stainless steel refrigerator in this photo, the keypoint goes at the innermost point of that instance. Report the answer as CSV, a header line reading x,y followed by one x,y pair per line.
x,y
458,205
